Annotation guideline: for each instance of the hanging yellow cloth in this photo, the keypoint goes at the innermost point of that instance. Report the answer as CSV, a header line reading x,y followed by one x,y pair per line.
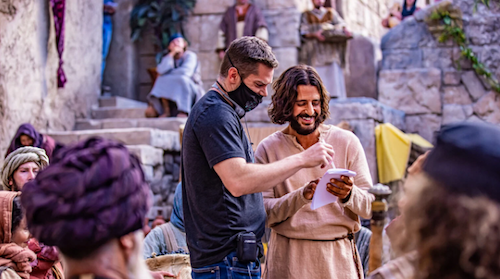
x,y
393,151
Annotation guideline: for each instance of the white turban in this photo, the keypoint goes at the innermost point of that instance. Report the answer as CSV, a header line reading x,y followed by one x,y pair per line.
x,y
21,156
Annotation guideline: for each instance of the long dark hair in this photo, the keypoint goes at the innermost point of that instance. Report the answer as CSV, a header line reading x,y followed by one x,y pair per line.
x,y
405,12
285,93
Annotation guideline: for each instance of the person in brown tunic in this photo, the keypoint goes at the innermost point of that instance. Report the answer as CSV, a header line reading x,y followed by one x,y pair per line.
x,y
242,19
308,243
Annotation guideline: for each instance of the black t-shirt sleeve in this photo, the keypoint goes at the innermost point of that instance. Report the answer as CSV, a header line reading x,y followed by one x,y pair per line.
x,y
219,134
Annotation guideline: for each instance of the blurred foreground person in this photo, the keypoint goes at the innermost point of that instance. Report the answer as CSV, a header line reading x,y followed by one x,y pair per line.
x,y
452,209
15,257
91,204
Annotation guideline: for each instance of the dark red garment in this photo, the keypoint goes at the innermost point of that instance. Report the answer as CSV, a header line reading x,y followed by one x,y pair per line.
x,y
253,21
46,259
58,9
41,141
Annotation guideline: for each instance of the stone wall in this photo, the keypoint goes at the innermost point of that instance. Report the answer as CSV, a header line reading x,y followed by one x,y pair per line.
x,y
283,19
421,76
28,66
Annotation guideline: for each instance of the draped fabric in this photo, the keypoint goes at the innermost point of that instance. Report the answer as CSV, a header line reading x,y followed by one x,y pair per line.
x,y
12,255
58,9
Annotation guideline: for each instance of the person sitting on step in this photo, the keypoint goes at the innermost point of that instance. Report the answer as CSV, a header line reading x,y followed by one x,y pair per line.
x,y
178,85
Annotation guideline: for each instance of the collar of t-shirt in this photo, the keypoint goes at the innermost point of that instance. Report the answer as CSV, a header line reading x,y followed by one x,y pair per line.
x,y
240,111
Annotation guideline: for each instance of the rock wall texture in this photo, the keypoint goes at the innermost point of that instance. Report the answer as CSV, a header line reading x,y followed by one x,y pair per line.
x,y
29,60
426,79
283,19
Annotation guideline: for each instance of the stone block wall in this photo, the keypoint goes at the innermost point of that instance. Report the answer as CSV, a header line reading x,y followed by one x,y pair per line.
x,y
427,80
283,19
29,61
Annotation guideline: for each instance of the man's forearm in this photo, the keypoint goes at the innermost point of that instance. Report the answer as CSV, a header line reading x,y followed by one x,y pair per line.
x,y
255,178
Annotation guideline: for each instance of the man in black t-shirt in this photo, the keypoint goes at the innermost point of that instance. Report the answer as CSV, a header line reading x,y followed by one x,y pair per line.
x,y
221,183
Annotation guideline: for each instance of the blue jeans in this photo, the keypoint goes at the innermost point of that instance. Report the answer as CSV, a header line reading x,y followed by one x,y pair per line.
x,y
107,32
229,268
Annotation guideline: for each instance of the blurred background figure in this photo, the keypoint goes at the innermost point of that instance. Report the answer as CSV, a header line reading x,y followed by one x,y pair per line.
x,y
27,135
178,85
242,19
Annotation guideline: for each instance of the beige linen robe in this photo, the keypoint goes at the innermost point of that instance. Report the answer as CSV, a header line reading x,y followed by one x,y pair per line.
x,y
300,245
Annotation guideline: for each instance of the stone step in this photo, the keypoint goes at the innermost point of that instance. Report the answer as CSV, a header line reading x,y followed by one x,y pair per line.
x,y
120,102
112,112
169,123
166,140
147,154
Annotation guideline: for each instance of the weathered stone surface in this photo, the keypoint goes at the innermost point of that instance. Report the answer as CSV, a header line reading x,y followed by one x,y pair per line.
x,y
147,154
354,108
484,30
145,62
456,95
453,113
148,172
473,85
437,58
209,30
425,125
407,35
158,172
283,27
166,140
163,186
364,108
120,102
212,6
489,55
402,59
209,63
361,80
192,32
287,57
169,123
468,8
29,62
365,131
451,77
102,113
488,107
122,73
464,64
413,91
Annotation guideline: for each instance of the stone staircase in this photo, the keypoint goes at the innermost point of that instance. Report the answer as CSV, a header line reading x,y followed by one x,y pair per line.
x,y
156,142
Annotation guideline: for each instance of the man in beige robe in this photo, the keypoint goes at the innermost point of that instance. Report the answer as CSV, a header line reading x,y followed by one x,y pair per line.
x,y
308,243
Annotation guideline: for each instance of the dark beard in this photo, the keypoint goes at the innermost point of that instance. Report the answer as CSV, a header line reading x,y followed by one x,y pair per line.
x,y
304,130
14,187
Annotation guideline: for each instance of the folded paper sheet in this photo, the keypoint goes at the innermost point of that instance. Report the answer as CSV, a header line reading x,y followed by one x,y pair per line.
x,y
321,195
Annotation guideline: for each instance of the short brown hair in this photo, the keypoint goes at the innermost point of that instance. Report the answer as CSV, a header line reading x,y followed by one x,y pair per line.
x,y
245,53
285,93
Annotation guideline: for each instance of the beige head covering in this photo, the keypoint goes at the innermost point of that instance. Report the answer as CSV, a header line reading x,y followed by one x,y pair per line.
x,y
20,156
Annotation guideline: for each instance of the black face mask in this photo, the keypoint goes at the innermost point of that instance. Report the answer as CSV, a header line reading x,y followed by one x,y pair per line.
x,y
244,96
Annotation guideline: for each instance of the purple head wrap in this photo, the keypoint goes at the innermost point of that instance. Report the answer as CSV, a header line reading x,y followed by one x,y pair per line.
x,y
94,192
29,130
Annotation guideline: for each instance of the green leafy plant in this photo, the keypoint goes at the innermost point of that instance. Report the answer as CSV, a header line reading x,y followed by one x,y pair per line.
x,y
165,17
453,30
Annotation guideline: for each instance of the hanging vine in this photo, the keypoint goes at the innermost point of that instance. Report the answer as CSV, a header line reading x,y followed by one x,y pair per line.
x,y
445,22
